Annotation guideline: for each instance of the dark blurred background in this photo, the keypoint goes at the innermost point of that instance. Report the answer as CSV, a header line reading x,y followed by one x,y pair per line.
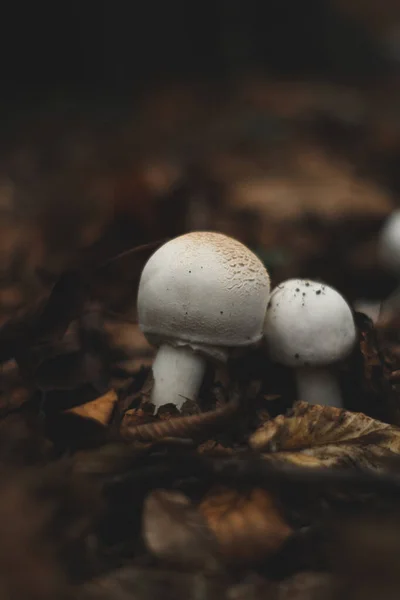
x,y
119,46
277,122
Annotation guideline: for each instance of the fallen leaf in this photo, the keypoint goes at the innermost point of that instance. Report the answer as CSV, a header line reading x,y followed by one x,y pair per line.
x,y
99,410
175,531
248,526
313,435
188,427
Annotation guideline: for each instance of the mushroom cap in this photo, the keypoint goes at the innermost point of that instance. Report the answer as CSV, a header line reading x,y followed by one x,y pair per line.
x,y
308,324
389,242
204,288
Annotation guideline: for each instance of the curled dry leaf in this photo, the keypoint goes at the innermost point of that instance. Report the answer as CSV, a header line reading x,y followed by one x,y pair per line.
x,y
248,526
175,531
313,435
99,410
180,427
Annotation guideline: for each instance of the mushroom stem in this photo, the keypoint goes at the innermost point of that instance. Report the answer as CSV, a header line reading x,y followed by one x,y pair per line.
x,y
318,386
178,374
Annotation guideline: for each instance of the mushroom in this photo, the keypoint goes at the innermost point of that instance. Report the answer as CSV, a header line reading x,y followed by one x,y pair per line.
x,y
310,326
200,295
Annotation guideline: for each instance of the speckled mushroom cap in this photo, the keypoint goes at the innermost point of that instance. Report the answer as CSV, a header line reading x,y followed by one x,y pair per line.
x,y
308,324
203,288
389,242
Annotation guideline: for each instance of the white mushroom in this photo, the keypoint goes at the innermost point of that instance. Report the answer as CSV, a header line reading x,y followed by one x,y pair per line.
x,y
200,295
310,326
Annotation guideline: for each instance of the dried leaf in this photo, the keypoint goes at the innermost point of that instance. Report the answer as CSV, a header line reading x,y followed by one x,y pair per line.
x,y
249,527
186,427
174,531
99,410
313,435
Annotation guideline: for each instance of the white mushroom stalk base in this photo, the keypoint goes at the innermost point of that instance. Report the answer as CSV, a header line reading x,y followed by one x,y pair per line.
x,y
178,374
318,386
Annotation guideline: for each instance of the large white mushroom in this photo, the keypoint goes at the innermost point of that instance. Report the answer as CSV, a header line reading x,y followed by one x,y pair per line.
x,y
200,296
309,326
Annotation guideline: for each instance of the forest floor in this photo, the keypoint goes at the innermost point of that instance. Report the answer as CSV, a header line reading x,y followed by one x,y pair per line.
x,y
248,493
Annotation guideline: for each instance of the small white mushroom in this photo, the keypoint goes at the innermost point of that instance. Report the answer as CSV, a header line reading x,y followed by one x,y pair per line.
x,y
310,326
200,295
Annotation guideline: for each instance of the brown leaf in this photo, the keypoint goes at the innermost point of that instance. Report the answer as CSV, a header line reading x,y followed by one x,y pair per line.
x,y
313,435
190,426
249,527
174,530
99,410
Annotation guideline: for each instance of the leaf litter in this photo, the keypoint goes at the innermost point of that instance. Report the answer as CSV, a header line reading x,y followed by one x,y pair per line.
x,y
246,494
